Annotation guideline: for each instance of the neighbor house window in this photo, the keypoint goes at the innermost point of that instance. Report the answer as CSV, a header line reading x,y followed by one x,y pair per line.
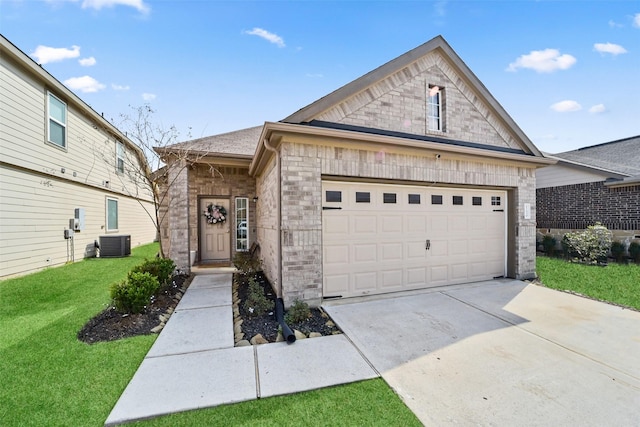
x,y
434,108
119,157
57,127
242,223
112,214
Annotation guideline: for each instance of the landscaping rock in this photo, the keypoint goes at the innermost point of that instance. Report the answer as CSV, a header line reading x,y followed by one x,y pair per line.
x,y
258,339
243,343
315,335
299,335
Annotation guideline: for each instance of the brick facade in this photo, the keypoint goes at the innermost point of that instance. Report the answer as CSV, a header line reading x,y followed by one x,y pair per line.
x,y
579,205
304,165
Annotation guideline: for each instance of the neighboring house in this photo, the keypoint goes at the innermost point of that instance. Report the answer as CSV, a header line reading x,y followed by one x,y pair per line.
x,y
60,160
412,176
593,184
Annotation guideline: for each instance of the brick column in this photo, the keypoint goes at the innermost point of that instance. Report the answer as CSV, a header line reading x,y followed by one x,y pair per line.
x,y
179,214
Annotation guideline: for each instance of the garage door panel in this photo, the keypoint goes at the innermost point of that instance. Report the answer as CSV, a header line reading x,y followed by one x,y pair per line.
x,y
365,252
336,254
378,247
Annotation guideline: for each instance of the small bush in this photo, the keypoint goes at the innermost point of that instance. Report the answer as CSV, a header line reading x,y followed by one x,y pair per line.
x,y
634,251
298,312
246,263
589,246
617,251
257,303
161,268
549,244
134,294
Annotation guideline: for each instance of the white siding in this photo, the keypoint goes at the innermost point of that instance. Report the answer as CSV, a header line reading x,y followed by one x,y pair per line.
x,y
556,175
41,184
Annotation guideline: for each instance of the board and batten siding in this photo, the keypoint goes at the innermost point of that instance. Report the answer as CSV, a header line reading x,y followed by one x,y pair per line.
x,y
41,184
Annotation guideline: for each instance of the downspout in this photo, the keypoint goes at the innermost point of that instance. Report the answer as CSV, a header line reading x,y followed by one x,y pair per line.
x,y
287,333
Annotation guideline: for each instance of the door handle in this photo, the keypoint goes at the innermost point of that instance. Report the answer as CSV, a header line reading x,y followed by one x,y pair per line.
x,y
427,245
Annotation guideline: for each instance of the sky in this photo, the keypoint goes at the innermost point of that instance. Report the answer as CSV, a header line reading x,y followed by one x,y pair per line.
x,y
567,72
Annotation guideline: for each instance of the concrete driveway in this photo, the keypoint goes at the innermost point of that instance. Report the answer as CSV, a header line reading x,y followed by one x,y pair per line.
x,y
502,353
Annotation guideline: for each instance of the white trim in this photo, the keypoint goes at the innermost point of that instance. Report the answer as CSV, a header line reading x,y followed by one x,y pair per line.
x,y
106,207
237,222
51,118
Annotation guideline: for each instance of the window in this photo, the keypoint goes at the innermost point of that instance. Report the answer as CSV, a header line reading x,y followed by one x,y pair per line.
x,y
414,199
436,200
389,198
495,200
363,197
242,223
457,200
333,196
119,157
112,214
476,201
57,127
434,108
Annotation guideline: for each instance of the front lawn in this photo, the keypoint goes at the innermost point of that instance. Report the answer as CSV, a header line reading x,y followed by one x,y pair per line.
x,y
50,378
616,283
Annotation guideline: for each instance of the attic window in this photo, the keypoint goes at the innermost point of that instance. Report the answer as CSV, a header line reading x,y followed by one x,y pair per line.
x,y
434,108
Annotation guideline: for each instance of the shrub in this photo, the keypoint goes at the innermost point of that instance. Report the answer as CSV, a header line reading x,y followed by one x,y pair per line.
x,y
298,312
634,251
617,251
257,303
134,294
549,244
246,262
161,268
589,246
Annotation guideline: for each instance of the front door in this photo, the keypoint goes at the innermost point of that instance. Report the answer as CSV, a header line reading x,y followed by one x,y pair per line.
x,y
215,238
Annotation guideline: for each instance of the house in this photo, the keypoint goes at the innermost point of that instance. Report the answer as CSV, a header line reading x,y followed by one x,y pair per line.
x,y
412,176
600,183
67,176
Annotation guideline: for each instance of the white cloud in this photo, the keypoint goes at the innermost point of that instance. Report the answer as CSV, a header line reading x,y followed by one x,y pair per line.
x,y
614,49
597,109
119,87
315,75
543,61
270,37
84,84
440,8
87,62
566,106
140,5
148,96
46,54
614,24
636,20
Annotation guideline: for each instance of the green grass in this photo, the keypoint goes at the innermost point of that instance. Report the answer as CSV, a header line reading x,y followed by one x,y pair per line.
x,y
366,403
616,283
49,378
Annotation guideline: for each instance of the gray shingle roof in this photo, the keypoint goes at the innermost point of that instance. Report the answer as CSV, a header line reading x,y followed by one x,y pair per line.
x,y
240,142
621,156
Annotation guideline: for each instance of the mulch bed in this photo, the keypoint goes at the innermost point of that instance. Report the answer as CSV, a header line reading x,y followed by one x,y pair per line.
x,y
266,324
111,325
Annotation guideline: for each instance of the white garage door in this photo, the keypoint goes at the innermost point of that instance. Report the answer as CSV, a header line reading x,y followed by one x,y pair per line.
x,y
380,238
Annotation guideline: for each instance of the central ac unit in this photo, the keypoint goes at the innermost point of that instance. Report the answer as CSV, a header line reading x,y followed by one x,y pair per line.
x,y
115,246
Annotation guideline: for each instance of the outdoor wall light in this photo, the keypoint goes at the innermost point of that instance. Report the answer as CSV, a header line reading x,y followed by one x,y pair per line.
x,y
255,199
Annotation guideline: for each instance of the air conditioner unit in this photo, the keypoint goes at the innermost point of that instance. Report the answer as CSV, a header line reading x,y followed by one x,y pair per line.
x,y
115,246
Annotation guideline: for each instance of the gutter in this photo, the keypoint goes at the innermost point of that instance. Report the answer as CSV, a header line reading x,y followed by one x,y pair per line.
x,y
276,153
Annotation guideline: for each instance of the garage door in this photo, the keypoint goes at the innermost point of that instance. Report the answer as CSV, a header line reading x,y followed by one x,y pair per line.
x,y
380,238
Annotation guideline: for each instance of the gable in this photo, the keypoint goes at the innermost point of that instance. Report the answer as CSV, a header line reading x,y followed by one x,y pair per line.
x,y
394,98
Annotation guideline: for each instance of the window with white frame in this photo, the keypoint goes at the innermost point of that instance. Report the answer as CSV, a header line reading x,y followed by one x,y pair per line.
x,y
119,157
242,223
434,108
112,214
57,126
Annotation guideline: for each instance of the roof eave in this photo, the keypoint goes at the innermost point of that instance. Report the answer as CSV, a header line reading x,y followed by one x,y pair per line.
x,y
278,129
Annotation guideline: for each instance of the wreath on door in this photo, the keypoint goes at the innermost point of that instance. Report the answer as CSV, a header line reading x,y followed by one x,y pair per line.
x,y
215,214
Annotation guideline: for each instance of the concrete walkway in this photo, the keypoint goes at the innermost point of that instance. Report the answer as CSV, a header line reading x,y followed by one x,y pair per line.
x,y
193,363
